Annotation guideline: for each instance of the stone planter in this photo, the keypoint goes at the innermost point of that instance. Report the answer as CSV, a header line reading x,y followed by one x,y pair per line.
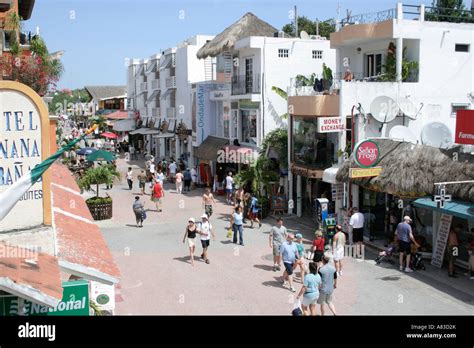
x,y
100,211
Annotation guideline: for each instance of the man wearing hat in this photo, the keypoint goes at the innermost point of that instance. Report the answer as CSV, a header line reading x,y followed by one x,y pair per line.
x,y
205,230
405,237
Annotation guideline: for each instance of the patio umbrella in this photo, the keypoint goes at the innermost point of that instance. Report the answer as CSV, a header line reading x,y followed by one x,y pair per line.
x,y
101,155
86,151
109,135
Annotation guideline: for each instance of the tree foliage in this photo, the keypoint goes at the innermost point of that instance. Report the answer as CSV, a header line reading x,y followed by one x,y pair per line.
x,y
104,174
309,26
65,96
448,11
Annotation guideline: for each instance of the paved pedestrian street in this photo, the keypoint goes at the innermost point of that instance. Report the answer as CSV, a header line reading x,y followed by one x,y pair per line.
x,y
157,277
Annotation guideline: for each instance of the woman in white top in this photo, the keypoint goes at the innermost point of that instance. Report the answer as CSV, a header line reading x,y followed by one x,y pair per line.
x,y
338,243
130,178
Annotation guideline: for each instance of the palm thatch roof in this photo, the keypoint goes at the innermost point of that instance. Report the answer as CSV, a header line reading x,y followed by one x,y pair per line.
x,y
248,25
106,92
411,170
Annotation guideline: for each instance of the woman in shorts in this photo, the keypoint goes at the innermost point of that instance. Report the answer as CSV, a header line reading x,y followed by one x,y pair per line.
x,y
190,234
310,290
318,246
338,243
300,261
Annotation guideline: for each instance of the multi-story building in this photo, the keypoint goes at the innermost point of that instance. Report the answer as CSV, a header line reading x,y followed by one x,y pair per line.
x,y
400,80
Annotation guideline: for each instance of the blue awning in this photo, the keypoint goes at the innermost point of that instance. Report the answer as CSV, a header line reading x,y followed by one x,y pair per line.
x,y
462,209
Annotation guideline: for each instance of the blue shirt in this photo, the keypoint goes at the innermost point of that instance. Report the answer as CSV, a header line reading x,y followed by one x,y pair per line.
x,y
288,252
253,204
238,218
328,274
312,283
403,232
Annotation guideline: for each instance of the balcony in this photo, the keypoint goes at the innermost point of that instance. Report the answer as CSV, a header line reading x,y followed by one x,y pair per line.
x,y
318,105
170,82
143,87
171,112
246,84
142,112
155,112
155,84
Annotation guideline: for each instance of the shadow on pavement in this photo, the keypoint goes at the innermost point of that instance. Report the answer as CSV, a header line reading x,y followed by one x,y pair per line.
x,y
186,259
226,241
264,267
273,283
130,225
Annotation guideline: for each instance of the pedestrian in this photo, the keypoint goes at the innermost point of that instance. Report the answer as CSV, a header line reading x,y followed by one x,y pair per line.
x,y
142,181
194,178
318,246
357,223
130,178
452,250
179,182
328,284
300,260
157,195
172,168
310,290
289,254
160,177
247,197
338,243
239,196
139,210
190,234
253,214
229,182
187,180
236,221
404,235
205,230
278,235
207,201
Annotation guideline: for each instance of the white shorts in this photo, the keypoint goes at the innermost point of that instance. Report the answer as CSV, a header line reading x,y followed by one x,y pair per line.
x,y
191,242
339,253
309,301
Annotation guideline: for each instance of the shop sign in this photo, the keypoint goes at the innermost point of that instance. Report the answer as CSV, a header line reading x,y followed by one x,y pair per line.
x,y
220,95
367,154
20,150
330,124
438,252
355,173
75,302
248,104
103,295
278,202
337,191
182,130
464,127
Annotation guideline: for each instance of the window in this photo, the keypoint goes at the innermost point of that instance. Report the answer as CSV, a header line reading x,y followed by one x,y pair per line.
x,y
249,126
248,75
458,106
283,53
317,54
461,48
373,64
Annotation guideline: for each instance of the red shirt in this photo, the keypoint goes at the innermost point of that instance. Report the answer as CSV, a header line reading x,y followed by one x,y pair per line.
x,y
318,243
157,190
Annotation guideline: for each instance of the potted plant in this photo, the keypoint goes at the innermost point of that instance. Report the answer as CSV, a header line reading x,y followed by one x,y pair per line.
x,y
327,77
100,207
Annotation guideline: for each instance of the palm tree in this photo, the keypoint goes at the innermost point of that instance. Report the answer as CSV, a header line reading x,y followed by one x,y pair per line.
x,y
100,175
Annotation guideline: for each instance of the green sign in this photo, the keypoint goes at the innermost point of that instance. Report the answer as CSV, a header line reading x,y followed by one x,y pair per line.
x,y
75,302
248,104
330,222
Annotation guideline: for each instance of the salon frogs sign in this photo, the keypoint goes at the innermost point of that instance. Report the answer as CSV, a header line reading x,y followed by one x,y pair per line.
x,y
367,154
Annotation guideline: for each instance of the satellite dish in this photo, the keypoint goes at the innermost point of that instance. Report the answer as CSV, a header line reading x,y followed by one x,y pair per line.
x,y
408,108
436,134
384,109
403,133
304,35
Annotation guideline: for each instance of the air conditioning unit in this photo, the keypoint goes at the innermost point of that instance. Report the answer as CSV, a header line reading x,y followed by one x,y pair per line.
x,y
279,34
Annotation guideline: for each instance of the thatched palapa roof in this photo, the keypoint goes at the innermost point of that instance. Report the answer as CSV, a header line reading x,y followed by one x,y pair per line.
x,y
411,170
248,25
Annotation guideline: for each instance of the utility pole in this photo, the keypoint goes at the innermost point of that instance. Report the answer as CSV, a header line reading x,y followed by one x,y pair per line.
x,y
296,23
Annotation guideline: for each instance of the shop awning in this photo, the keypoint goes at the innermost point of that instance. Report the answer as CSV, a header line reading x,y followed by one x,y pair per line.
x,y
34,276
117,115
329,175
164,135
166,93
209,147
153,95
152,132
140,131
124,126
461,209
165,62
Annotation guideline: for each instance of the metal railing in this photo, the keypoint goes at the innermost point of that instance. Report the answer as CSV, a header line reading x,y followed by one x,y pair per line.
x,y
170,82
440,14
245,84
155,112
171,112
373,17
143,86
155,84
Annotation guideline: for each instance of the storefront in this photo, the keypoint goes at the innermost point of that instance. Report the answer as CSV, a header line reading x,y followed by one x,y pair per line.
x,y
248,122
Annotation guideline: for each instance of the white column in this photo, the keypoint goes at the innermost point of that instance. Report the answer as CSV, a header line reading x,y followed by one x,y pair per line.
x,y
422,12
399,11
299,198
399,57
290,192
191,152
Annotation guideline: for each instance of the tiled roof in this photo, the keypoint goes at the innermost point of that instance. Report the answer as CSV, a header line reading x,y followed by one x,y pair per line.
x,y
38,280
117,115
79,239
106,92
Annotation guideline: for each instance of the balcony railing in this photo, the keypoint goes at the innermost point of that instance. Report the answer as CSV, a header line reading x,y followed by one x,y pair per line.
x,y
142,112
155,84
143,86
155,112
245,84
373,17
170,82
171,112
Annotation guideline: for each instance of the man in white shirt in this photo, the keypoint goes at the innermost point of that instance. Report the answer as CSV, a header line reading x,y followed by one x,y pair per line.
x,y
160,177
172,168
357,224
194,178
229,181
205,230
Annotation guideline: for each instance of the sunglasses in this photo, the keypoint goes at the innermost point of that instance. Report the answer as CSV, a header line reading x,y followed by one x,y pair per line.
x,y
190,222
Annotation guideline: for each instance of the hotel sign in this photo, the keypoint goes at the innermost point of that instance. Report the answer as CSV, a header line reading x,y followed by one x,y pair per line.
x,y
355,173
24,123
330,124
464,127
